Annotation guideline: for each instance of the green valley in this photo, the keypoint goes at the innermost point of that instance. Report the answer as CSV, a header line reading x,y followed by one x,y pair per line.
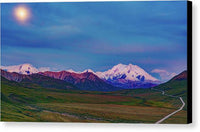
x,y
38,103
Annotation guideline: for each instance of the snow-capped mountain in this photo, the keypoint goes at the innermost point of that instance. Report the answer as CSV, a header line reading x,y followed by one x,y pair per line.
x,y
26,69
128,72
128,76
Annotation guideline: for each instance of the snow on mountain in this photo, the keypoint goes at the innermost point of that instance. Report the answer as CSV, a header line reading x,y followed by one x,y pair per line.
x,y
88,70
127,72
22,69
70,70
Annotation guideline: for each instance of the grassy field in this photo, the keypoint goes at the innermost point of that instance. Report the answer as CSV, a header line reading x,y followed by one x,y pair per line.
x,y
110,112
35,103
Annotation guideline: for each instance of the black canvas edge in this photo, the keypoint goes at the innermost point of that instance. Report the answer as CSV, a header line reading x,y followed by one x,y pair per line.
x,y
189,62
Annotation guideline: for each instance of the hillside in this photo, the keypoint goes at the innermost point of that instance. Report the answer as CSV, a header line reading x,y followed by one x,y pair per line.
x,y
37,80
177,86
84,81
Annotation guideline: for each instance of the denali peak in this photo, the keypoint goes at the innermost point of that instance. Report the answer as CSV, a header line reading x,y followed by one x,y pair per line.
x,y
127,72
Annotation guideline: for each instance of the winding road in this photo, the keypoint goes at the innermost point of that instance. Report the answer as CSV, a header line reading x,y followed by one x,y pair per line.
x,y
166,117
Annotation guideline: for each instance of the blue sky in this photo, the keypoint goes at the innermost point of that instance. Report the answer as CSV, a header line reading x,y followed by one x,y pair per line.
x,y
97,36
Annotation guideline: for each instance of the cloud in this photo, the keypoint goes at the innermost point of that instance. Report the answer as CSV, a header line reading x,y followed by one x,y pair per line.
x,y
165,75
43,69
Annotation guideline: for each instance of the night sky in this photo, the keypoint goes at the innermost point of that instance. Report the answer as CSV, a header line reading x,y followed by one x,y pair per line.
x,y
97,36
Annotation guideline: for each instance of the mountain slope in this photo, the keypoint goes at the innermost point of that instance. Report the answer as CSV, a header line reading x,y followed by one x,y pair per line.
x,y
181,76
177,86
38,80
84,81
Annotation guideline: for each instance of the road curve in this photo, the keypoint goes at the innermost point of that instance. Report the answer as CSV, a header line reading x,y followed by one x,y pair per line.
x,y
166,117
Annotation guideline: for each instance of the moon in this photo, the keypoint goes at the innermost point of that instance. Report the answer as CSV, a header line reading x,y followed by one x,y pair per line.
x,y
22,14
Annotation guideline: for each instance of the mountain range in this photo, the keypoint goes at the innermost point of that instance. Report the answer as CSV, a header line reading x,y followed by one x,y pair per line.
x,y
36,80
84,81
119,77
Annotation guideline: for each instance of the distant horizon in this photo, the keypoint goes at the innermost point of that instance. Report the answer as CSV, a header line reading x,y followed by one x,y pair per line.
x,y
96,35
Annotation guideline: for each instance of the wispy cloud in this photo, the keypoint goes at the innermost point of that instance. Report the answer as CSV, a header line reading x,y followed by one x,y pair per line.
x,y
165,75
43,69
110,48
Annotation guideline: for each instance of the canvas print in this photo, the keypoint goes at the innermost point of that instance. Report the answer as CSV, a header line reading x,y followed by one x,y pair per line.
x,y
95,62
